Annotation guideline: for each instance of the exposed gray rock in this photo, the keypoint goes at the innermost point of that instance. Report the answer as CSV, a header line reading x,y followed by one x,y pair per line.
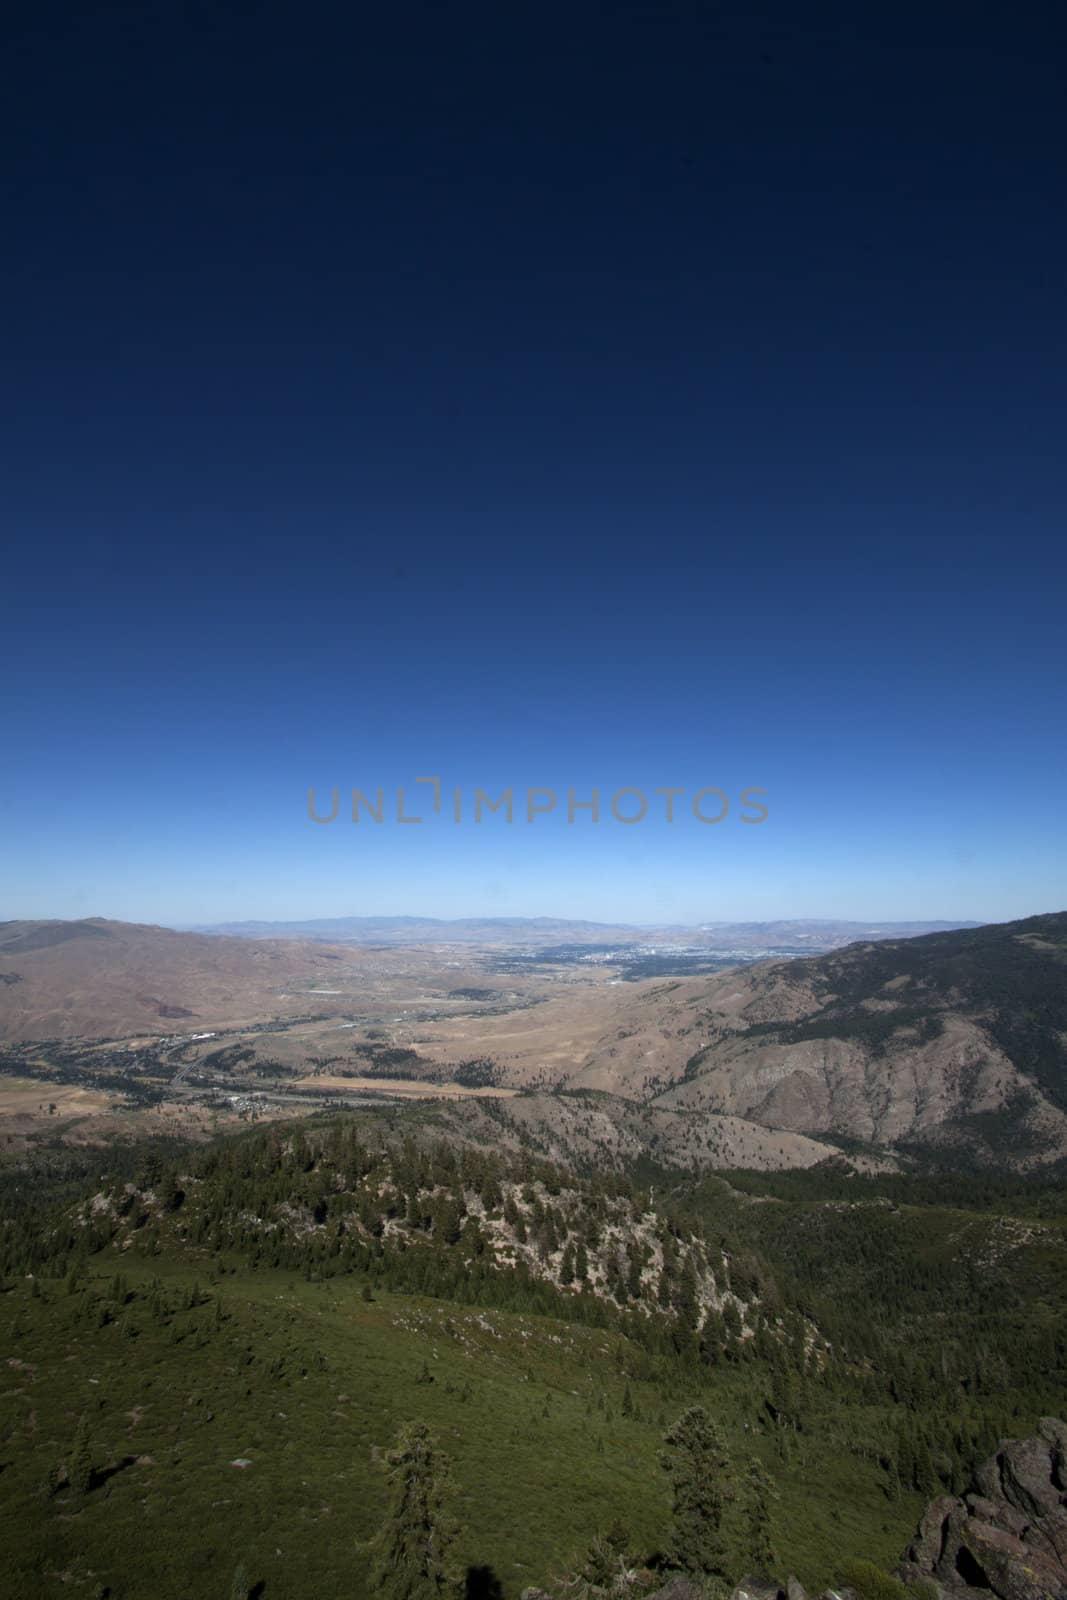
x,y
678,1588
999,1512
927,1548
1054,1433
1051,1534
753,1587
1009,1537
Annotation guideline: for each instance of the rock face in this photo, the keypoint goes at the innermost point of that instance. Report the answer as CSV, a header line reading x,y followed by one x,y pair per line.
x,y
756,1588
1008,1537
678,1588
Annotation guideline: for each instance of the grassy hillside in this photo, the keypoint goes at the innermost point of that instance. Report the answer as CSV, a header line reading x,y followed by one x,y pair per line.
x,y
307,1383
243,1304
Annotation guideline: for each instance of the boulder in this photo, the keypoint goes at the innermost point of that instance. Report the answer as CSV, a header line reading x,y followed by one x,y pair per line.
x,y
1023,1472
991,1558
928,1546
678,1588
1054,1433
756,1587
998,1512
1008,1538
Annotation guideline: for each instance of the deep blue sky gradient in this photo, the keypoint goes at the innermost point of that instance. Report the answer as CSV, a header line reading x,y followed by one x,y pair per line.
x,y
615,395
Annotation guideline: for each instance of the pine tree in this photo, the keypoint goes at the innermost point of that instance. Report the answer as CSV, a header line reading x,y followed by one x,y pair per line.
x,y
412,1548
698,1467
80,1466
604,1566
906,1458
448,1222
686,1301
759,1494
925,1476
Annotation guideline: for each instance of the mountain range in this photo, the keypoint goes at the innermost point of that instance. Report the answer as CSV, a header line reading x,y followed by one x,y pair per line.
x,y
218,1317
801,933
949,1046
953,1044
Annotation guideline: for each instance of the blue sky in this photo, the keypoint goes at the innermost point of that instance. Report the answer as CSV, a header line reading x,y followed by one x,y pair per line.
x,y
389,404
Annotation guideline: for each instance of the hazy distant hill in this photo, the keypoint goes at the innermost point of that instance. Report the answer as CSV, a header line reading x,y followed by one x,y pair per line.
x,y
805,933
432,930
96,978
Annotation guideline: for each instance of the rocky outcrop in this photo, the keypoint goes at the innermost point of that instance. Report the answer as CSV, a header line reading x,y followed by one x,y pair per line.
x,y
1008,1537
762,1589
678,1588
1005,1540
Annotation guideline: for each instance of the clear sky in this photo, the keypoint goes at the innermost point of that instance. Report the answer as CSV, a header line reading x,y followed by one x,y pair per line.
x,y
600,395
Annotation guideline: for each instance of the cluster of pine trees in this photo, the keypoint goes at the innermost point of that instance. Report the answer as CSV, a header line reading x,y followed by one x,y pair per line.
x,y
457,1223
833,1308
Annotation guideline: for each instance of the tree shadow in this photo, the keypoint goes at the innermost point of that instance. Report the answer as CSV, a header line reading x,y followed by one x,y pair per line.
x,y
102,1474
482,1583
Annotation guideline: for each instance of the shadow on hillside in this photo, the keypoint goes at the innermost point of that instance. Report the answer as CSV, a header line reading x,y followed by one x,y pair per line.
x,y
102,1474
482,1583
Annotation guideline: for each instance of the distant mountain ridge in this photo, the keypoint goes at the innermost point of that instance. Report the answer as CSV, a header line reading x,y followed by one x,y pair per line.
x,y
803,933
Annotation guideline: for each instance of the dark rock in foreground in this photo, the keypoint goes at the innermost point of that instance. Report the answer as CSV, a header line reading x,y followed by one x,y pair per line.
x,y
1008,1537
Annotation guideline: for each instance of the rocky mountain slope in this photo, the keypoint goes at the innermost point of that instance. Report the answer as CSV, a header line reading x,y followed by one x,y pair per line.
x,y
438,1215
590,1129
954,1044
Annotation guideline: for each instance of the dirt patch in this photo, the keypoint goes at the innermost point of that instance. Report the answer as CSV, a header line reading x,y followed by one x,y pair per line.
x,y
409,1088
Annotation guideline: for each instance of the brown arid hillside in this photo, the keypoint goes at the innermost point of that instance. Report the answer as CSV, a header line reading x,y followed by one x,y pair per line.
x,y
583,1128
954,1043
101,979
